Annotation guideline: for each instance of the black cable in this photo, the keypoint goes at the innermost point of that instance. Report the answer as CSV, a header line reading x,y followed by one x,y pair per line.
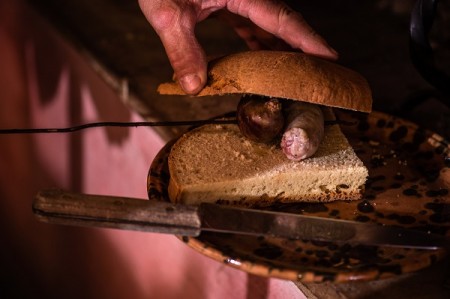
x,y
117,124
138,124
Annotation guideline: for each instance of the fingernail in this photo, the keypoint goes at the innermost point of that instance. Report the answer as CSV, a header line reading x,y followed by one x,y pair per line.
x,y
190,83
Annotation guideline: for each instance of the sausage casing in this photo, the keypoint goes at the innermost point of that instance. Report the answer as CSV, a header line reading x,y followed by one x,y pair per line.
x,y
304,130
260,118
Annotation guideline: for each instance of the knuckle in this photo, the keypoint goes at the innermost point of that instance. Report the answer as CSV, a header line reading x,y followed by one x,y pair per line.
x,y
165,17
285,16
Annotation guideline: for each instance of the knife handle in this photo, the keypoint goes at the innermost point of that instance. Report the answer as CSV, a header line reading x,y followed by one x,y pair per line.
x,y
60,207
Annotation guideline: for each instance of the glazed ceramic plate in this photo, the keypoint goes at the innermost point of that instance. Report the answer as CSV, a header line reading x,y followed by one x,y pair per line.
x,y
408,186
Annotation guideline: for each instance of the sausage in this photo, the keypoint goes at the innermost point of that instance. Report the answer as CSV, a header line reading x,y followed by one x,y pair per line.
x,y
260,118
304,130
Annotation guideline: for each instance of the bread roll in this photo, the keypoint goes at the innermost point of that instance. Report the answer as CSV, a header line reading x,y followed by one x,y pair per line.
x,y
286,75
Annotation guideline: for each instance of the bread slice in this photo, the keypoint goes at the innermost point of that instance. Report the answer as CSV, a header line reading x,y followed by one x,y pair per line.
x,y
285,75
215,163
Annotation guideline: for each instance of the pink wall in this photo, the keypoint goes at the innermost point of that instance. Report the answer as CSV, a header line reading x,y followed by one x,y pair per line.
x,y
44,83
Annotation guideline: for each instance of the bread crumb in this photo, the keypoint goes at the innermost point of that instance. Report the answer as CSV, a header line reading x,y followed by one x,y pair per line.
x,y
374,143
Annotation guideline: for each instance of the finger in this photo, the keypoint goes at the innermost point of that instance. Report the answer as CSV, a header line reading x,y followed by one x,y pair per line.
x,y
259,39
175,26
255,37
279,19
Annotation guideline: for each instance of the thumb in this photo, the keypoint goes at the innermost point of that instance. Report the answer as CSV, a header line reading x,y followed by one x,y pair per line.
x,y
176,31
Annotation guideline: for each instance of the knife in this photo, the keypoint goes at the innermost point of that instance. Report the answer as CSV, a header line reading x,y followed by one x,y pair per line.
x,y
60,207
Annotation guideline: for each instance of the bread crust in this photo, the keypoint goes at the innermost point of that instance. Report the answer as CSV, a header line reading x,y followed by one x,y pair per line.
x,y
287,75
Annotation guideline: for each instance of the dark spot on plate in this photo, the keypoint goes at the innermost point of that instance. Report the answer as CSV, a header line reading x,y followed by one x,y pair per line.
x,y
379,215
334,213
440,218
377,188
377,178
370,196
392,216
359,151
431,175
395,269
320,243
443,191
322,253
304,260
396,186
376,162
315,208
381,123
410,147
390,124
398,134
441,212
362,218
399,177
363,126
332,246
323,263
405,219
398,256
447,161
424,155
420,136
433,258
411,192
365,207
436,193
366,254
268,251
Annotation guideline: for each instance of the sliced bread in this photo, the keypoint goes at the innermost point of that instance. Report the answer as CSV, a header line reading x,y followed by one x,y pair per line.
x,y
216,163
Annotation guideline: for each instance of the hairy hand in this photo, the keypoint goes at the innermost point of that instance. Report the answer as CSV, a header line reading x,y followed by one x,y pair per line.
x,y
174,21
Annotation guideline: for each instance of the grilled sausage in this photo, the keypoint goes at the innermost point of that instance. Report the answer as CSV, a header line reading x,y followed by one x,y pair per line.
x,y
260,118
304,130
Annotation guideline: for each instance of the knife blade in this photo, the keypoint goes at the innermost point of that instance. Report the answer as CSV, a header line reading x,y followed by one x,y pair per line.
x,y
60,207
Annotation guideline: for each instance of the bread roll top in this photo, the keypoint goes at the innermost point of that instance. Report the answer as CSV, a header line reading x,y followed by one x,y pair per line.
x,y
286,75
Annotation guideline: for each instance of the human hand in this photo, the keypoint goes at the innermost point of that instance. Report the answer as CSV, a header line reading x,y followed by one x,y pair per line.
x,y
174,21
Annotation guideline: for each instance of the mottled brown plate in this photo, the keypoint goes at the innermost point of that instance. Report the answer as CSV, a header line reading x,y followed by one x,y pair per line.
x,y
409,179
